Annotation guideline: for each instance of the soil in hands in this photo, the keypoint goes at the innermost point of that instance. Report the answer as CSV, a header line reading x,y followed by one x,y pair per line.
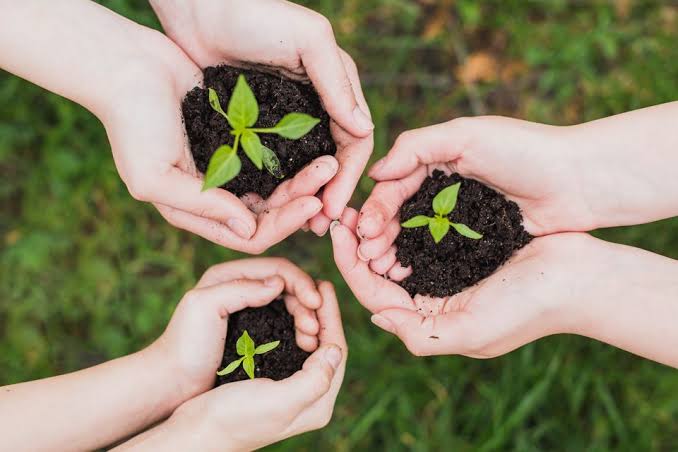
x,y
266,324
458,262
277,96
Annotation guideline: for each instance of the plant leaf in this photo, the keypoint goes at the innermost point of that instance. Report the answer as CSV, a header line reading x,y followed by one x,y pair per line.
x,y
466,231
230,368
260,350
439,228
271,162
245,345
252,146
415,222
243,109
248,365
215,104
446,200
223,166
295,125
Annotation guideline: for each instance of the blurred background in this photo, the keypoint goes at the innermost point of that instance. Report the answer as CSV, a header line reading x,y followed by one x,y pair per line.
x,y
88,274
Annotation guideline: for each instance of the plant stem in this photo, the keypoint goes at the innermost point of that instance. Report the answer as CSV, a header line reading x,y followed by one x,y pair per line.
x,y
236,142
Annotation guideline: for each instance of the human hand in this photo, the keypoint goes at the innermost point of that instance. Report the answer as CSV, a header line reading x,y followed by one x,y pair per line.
x,y
228,418
152,155
297,42
527,162
193,343
528,298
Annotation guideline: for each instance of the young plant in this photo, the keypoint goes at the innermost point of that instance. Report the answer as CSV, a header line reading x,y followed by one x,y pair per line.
x,y
246,348
443,204
242,114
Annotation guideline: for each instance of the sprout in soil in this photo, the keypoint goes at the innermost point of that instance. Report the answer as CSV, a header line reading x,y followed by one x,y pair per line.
x,y
443,204
243,112
245,348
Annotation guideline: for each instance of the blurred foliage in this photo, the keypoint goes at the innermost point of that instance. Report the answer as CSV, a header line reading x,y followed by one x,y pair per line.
x,y
88,274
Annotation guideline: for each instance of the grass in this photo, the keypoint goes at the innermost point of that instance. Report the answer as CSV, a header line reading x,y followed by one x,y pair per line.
x,y
88,274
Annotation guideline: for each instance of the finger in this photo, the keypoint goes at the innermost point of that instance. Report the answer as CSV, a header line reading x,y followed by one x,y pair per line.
x,y
306,183
254,202
304,319
384,263
320,56
320,224
306,342
314,380
182,191
440,143
298,283
372,291
423,336
385,202
352,154
329,318
378,246
350,219
233,296
398,272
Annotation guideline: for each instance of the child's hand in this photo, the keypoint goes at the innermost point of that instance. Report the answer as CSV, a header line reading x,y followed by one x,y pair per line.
x,y
301,44
247,415
193,342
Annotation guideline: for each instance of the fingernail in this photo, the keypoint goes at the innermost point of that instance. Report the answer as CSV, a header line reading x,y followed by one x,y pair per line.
x,y
361,119
271,281
333,225
239,227
361,255
330,165
369,223
383,323
333,356
378,166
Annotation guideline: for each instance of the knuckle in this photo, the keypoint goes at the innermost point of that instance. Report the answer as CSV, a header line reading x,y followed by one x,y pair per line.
x,y
323,25
324,419
404,138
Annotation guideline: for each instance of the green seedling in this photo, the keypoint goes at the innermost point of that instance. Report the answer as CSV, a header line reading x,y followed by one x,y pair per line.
x,y
443,204
246,348
242,114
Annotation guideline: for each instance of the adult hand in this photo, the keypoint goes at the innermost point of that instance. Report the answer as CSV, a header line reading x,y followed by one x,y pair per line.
x,y
529,163
193,343
299,43
228,418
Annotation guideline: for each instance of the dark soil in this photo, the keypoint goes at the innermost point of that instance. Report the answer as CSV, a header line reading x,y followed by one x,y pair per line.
x,y
266,324
458,262
277,96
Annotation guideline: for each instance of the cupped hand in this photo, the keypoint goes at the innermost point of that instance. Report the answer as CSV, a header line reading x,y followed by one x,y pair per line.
x,y
250,414
153,158
194,339
287,38
527,162
527,298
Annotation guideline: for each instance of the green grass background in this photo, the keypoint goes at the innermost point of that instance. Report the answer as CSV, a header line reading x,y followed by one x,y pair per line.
x,y
89,274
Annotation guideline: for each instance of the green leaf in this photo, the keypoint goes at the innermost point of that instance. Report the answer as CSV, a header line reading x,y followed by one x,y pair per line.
x,y
230,368
438,227
295,125
415,222
248,365
445,201
466,231
224,166
245,345
260,350
271,162
243,109
215,104
252,146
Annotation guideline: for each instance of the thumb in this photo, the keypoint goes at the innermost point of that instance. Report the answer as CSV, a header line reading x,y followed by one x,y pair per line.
x,y
314,380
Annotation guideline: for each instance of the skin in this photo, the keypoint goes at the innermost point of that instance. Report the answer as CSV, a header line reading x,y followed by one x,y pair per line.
x,y
564,179
133,79
298,42
131,393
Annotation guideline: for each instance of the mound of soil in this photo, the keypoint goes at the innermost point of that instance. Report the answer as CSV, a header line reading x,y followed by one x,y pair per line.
x,y
266,324
277,96
458,262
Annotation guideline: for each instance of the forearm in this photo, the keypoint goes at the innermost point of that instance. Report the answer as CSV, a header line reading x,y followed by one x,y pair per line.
x,y
75,48
625,166
631,302
88,409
